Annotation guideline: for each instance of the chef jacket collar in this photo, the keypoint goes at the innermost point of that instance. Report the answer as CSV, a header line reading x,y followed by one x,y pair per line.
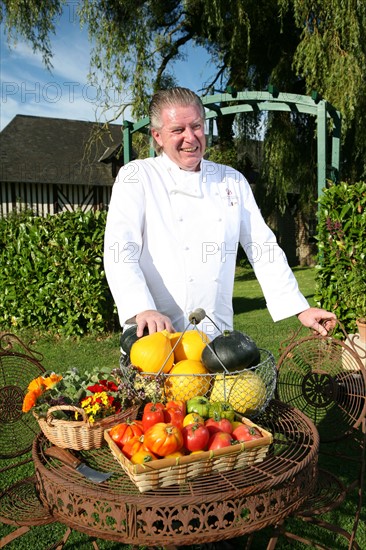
x,y
183,182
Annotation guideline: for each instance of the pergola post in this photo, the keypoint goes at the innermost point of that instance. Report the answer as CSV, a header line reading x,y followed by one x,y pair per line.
x,y
322,146
127,141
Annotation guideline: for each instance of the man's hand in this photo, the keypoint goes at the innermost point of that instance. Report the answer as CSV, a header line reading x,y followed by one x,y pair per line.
x,y
319,320
154,321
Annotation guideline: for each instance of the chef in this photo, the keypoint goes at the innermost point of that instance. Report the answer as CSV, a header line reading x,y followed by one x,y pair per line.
x,y
173,228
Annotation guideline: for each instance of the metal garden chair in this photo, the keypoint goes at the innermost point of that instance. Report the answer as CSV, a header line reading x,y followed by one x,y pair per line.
x,y
19,503
325,377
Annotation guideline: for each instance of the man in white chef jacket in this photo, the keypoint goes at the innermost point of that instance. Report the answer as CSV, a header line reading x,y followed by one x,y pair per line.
x,y
173,228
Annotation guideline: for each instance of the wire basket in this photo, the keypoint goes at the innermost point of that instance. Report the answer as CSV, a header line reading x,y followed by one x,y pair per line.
x,y
165,472
248,390
80,434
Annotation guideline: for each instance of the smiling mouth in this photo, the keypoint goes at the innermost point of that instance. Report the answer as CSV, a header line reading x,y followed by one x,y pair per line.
x,y
189,149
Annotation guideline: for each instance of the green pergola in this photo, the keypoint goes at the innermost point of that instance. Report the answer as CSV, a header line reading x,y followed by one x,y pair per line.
x,y
328,121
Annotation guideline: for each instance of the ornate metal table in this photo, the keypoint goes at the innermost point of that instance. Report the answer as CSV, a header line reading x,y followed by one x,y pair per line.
x,y
205,509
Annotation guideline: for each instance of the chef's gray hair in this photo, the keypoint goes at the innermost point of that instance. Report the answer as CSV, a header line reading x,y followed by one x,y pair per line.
x,y
169,98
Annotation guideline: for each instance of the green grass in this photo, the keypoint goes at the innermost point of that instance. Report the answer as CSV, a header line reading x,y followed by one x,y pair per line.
x,y
91,353
252,316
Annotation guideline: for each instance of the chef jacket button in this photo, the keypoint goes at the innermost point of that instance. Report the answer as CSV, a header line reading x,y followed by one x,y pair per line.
x,y
186,248
190,279
180,219
219,220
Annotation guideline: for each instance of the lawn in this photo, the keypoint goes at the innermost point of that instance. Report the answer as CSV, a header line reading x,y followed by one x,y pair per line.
x,y
91,353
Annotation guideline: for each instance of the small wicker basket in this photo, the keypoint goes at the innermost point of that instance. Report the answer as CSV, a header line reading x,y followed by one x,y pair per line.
x,y
172,471
81,434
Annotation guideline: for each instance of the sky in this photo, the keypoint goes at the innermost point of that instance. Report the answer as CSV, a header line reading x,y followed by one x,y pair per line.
x,y
28,88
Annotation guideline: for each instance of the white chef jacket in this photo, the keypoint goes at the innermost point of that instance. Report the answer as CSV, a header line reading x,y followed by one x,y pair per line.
x,y
171,240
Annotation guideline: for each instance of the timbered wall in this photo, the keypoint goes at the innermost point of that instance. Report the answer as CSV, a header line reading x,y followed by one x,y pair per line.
x,y
52,198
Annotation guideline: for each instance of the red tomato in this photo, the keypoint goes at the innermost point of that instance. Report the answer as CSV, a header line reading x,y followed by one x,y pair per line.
x,y
121,433
246,433
133,446
153,413
177,404
222,425
219,440
163,439
174,416
195,437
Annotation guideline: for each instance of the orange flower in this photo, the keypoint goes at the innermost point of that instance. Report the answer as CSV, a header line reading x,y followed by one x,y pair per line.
x,y
51,381
36,384
37,387
30,399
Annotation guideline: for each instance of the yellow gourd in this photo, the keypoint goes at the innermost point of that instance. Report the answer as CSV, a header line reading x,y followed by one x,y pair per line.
x,y
150,352
190,345
186,380
246,392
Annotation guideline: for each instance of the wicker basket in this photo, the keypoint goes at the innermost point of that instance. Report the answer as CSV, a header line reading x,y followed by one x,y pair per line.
x,y
172,471
80,435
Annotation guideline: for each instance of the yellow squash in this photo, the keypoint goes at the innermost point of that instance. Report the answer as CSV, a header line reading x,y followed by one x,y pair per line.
x,y
186,380
246,392
151,352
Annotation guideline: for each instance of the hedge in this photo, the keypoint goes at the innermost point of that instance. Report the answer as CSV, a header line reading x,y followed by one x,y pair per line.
x,y
52,274
341,275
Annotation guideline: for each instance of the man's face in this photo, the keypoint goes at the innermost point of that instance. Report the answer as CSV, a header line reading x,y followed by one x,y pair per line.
x,y
182,136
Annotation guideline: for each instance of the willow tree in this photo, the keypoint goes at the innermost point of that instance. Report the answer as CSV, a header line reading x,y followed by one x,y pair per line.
x,y
296,45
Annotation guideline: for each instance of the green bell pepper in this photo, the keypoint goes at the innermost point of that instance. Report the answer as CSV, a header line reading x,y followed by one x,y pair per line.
x,y
198,404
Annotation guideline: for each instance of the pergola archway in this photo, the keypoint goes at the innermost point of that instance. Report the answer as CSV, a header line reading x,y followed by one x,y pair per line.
x,y
233,102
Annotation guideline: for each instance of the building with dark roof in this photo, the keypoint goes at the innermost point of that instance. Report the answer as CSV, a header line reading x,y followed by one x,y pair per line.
x,y
50,165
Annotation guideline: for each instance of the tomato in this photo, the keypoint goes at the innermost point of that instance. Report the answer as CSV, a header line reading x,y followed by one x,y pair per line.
x,y
121,433
221,408
142,456
177,404
193,418
133,445
174,416
176,454
163,439
195,437
219,425
200,405
236,424
246,433
219,440
153,413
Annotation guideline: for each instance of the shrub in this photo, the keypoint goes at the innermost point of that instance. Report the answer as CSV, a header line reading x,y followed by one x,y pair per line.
x,y
52,274
341,275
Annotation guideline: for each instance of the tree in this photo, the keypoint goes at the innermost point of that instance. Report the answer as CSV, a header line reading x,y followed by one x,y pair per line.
x,y
297,45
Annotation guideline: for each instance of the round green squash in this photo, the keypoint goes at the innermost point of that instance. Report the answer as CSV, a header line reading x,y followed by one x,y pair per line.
x,y
233,349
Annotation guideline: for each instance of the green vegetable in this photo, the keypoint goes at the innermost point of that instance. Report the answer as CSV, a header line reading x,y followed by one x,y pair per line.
x,y
221,409
232,350
200,405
